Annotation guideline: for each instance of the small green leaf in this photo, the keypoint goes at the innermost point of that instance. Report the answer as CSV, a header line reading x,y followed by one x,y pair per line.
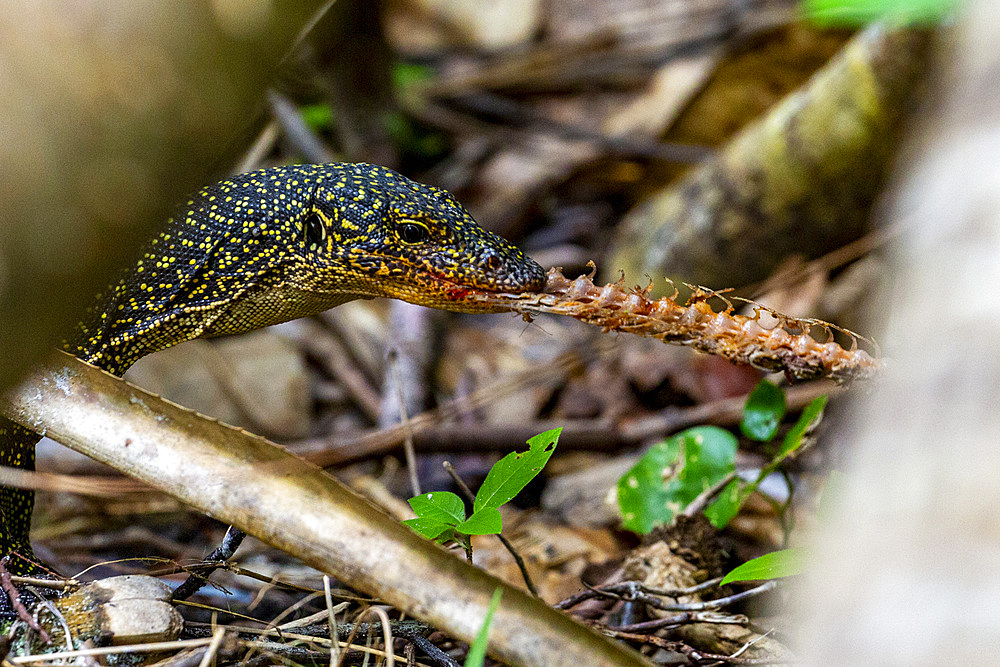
x,y
486,521
763,411
477,650
429,528
513,472
441,506
449,535
672,474
810,417
774,565
727,505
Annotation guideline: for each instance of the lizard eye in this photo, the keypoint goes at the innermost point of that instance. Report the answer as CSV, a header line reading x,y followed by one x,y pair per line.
x,y
314,231
412,232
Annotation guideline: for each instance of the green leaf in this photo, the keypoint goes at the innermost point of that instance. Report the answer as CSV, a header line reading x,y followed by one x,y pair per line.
x,y
728,503
672,474
441,506
429,528
477,650
449,535
810,417
860,12
763,411
722,510
486,521
774,565
513,472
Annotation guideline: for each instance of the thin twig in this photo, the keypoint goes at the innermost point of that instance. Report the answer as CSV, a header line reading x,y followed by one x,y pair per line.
x,y
230,543
332,621
695,655
213,647
706,496
632,590
298,133
429,649
54,584
152,647
717,603
261,146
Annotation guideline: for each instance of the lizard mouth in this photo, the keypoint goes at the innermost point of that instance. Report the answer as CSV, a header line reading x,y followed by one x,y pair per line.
x,y
427,285
426,274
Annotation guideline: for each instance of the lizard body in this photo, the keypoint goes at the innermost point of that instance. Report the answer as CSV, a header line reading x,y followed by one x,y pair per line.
x,y
267,247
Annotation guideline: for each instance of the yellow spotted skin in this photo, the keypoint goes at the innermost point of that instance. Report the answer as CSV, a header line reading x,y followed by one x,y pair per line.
x,y
267,247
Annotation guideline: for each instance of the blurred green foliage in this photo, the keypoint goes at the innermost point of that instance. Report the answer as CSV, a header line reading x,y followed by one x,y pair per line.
x,y
860,12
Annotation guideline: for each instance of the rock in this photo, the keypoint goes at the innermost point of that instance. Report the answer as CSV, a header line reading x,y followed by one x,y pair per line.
x,y
122,610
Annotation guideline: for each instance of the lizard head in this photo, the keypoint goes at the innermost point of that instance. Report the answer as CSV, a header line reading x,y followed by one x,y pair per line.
x,y
390,236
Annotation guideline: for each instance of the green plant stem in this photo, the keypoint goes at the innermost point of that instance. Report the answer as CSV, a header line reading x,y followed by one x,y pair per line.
x,y
470,496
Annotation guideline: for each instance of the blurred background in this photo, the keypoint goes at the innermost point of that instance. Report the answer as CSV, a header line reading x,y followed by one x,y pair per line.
x,y
745,145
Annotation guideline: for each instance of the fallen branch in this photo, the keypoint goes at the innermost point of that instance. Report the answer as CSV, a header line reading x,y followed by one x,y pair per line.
x,y
253,484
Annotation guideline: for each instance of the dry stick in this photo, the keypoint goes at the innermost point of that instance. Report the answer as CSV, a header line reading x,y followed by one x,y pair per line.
x,y
404,422
298,133
428,647
330,352
384,440
152,647
331,621
230,543
54,584
583,434
428,434
721,411
295,507
828,262
630,590
217,638
259,149
706,496
467,492
696,656
523,116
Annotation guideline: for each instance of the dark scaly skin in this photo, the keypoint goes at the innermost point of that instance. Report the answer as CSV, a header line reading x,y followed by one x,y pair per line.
x,y
267,247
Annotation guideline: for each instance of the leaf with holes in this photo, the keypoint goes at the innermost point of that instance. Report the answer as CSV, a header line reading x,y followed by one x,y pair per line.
x,y
437,514
672,474
727,505
513,472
